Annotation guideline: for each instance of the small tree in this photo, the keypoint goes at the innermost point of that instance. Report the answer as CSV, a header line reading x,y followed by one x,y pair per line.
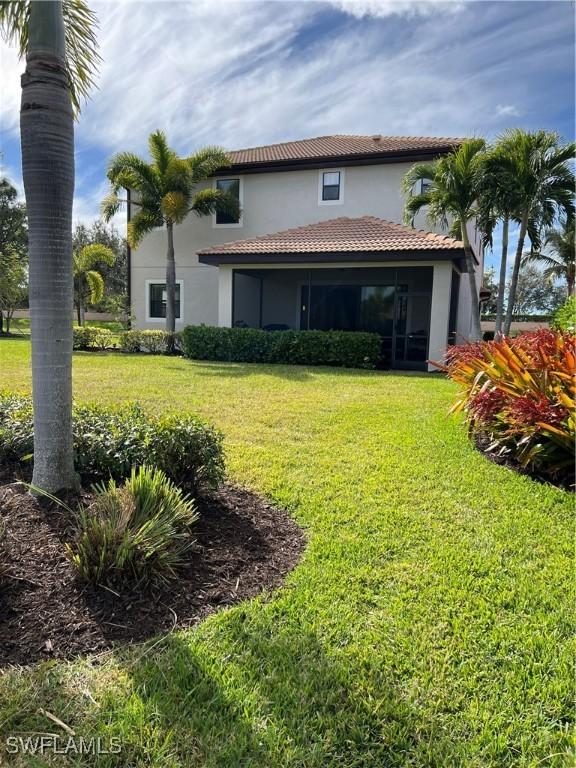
x,y
13,252
88,282
13,286
116,275
164,196
451,201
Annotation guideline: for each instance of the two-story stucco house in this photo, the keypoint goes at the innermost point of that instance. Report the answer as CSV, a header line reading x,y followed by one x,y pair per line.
x,y
318,245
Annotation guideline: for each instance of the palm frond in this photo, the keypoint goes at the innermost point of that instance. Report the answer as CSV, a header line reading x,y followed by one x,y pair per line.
x,y
80,24
206,162
127,170
418,172
175,206
92,255
139,225
95,283
208,201
160,152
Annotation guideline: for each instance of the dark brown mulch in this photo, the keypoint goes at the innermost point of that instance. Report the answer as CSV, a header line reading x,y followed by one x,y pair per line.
x,y
243,546
482,442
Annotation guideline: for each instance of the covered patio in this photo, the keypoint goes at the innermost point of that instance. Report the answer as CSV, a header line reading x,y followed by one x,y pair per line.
x,y
346,274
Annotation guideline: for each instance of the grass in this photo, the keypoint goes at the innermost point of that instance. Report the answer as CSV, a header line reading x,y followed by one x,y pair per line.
x,y
429,623
21,325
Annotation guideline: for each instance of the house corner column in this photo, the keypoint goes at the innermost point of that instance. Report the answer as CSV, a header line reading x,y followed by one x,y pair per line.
x,y
225,297
440,311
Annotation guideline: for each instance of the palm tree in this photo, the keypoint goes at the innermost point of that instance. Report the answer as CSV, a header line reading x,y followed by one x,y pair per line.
x,y
544,183
88,282
165,195
498,200
59,42
450,196
560,262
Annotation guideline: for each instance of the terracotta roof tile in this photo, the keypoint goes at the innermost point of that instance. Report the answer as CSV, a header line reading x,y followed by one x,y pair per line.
x,y
342,146
342,235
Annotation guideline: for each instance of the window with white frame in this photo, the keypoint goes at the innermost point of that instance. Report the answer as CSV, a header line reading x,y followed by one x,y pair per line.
x,y
330,187
156,300
232,187
425,186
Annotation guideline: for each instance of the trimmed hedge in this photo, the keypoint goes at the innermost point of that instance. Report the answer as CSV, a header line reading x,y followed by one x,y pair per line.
x,y
250,345
109,442
153,342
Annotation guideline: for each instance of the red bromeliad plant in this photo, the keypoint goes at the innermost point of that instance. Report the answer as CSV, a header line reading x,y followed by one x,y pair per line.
x,y
521,393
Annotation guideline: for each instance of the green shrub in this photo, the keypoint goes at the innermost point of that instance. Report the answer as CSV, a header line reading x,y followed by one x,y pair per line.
x,y
154,342
103,339
84,337
250,345
130,341
138,532
109,442
565,318
87,337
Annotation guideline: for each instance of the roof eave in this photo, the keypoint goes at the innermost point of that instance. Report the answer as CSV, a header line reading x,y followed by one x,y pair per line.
x,y
334,161
323,257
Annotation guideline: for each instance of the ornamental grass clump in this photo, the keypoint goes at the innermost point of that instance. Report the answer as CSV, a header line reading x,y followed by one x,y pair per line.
x,y
520,394
136,533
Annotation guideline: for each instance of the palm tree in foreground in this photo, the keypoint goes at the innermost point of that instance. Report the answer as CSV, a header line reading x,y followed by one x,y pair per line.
x,y
59,43
560,261
450,197
164,196
544,184
88,282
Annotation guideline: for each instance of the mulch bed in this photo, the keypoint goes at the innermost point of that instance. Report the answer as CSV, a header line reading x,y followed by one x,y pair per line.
x,y
243,546
483,441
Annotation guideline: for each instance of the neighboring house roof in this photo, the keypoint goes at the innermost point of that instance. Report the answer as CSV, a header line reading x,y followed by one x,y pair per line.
x,y
356,150
364,238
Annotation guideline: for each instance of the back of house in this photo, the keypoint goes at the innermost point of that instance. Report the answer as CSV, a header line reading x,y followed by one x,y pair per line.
x,y
319,244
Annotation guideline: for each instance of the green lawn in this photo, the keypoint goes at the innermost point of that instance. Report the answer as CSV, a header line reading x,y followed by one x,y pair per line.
x,y
429,623
21,325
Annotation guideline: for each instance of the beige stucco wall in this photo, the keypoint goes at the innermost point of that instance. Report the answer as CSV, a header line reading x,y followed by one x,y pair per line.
x,y
270,202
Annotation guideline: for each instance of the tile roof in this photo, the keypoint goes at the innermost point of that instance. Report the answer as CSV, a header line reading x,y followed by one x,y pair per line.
x,y
342,235
342,146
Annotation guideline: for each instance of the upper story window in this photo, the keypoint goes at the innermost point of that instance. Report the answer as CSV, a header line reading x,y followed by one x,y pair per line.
x,y
425,186
331,187
234,188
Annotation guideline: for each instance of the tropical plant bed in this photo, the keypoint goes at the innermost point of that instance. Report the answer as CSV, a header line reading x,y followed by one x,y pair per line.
x,y
243,546
484,444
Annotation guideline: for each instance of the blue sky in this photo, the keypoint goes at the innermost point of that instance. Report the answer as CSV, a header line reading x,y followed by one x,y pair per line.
x,y
247,73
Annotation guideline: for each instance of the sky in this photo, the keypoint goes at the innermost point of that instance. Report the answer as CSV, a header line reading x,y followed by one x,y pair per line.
x,y
243,73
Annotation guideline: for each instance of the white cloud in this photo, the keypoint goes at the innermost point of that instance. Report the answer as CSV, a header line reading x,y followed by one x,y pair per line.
x,y
507,110
247,73
384,8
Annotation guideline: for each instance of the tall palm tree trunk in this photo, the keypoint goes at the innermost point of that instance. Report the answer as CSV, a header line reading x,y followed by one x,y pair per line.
x,y
47,136
170,283
502,280
475,329
515,272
